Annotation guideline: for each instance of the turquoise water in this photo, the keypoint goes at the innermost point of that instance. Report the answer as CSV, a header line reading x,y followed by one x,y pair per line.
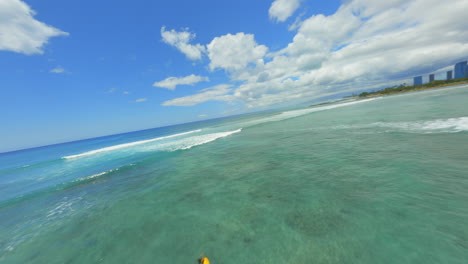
x,y
374,181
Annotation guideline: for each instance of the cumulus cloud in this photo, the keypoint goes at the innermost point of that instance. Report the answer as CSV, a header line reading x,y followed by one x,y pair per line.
x,y
58,69
20,32
394,41
364,44
216,93
172,82
180,40
235,52
280,10
319,33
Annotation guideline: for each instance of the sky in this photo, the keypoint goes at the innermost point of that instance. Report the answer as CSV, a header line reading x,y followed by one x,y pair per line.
x,y
79,69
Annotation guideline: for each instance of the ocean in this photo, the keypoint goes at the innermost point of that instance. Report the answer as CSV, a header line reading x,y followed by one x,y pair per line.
x,y
380,180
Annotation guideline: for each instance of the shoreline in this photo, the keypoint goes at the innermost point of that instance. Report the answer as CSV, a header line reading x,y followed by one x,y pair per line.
x,y
411,90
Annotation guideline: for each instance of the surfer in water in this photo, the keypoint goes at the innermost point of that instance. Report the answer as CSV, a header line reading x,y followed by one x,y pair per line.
x,y
203,260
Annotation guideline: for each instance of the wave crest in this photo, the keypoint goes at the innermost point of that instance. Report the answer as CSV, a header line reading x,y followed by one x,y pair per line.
x,y
188,143
126,145
178,144
301,112
450,125
97,175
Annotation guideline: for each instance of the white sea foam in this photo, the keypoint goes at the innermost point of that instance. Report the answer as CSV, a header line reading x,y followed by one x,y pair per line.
x,y
126,145
95,175
62,207
142,146
300,112
189,142
450,125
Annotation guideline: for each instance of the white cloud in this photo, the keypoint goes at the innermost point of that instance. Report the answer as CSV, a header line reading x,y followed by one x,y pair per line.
x,y
202,115
181,40
297,22
320,34
235,52
396,41
216,93
364,44
126,92
58,69
280,10
141,100
171,82
20,32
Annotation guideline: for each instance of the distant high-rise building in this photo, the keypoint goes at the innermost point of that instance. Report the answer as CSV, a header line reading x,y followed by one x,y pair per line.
x,y
449,75
431,77
417,80
461,70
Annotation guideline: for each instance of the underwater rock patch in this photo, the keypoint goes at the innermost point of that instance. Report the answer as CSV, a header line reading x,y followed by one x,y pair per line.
x,y
314,222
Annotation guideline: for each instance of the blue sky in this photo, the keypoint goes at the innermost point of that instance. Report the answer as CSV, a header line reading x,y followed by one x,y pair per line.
x,y
79,69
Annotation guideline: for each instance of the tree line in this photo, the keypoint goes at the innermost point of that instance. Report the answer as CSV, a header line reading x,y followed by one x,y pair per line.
x,y
404,88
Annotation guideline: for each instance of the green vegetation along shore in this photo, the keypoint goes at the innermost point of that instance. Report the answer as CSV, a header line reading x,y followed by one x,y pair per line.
x,y
403,88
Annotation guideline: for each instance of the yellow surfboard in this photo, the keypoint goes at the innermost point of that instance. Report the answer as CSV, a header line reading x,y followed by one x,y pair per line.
x,y
204,260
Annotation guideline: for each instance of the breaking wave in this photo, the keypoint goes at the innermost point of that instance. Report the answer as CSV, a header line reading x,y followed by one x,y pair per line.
x,y
190,142
126,145
450,125
300,112
177,144
97,175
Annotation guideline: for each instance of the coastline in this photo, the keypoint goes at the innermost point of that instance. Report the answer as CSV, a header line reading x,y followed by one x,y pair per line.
x,y
377,94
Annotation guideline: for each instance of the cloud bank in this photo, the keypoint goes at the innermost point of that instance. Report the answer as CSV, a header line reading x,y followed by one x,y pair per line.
x,y
364,44
216,93
172,82
20,32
